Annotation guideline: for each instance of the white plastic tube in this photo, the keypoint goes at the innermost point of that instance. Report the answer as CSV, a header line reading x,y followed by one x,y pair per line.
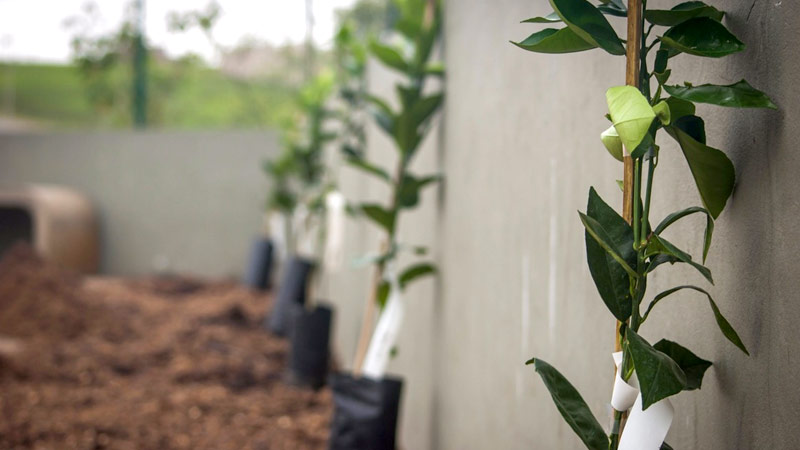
x,y
385,336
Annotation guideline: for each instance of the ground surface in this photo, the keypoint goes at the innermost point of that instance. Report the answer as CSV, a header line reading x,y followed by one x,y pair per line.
x,y
93,363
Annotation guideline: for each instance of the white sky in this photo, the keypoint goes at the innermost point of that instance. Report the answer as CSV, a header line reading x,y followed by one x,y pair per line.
x,y
33,30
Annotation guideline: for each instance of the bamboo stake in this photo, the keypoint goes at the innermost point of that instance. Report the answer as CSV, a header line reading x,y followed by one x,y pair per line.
x,y
369,317
632,67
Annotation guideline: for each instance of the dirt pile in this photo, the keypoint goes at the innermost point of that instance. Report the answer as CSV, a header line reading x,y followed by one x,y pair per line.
x,y
167,363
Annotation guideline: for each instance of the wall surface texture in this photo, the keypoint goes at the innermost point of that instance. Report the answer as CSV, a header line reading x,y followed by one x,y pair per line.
x,y
519,144
187,202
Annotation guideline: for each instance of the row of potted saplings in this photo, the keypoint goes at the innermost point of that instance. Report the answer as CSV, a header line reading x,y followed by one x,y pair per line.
x,y
366,410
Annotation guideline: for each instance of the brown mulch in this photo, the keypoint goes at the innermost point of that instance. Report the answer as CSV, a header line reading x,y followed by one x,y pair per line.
x,y
158,363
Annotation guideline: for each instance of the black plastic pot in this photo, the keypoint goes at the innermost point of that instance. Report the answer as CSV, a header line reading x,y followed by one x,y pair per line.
x,y
365,412
259,270
309,356
291,295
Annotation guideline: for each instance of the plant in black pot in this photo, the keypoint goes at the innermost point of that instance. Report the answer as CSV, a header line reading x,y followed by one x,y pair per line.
x,y
367,401
302,194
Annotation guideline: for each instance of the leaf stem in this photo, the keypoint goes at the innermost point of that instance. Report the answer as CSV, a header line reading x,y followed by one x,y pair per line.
x,y
651,168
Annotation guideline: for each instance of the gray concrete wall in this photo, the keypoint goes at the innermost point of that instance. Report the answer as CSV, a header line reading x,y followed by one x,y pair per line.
x,y
519,145
188,202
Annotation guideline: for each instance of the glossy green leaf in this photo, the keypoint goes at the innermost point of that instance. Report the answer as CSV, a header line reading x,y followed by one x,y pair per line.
x,y
674,217
692,365
659,376
737,95
572,407
379,215
599,234
681,13
614,8
550,18
679,108
713,172
722,322
551,40
389,56
657,245
702,37
589,23
370,168
414,272
611,279
631,114
665,446
612,142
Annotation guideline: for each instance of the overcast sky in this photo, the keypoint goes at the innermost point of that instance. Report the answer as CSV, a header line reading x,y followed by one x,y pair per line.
x,y
33,30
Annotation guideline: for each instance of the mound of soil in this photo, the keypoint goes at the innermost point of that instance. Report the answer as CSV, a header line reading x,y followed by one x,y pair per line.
x,y
158,363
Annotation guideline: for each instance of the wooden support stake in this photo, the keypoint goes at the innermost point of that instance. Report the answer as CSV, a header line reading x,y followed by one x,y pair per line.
x,y
369,316
632,66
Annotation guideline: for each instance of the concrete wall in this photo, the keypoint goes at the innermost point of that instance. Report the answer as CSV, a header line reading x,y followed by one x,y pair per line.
x,y
187,202
520,149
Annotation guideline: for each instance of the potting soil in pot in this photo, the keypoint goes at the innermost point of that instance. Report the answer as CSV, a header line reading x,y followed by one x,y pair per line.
x,y
94,363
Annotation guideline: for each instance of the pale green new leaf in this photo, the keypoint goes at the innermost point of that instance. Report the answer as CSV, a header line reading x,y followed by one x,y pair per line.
x,y
612,142
630,113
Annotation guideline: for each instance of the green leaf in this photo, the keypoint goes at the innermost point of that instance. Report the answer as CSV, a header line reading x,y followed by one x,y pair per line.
x,y
589,23
631,114
612,143
737,95
702,37
552,40
599,234
388,56
383,114
435,69
665,446
611,279
410,187
722,322
370,168
672,218
659,376
681,13
571,405
660,246
424,108
679,108
379,215
713,172
383,293
662,112
414,272
692,365
614,8
550,18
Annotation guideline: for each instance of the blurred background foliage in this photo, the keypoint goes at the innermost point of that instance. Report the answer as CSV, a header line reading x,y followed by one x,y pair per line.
x,y
253,85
